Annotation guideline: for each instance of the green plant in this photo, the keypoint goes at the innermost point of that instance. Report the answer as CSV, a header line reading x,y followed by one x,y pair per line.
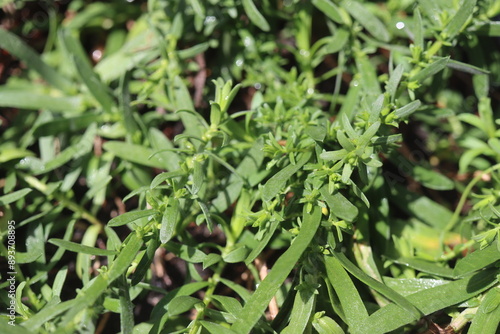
x,y
330,150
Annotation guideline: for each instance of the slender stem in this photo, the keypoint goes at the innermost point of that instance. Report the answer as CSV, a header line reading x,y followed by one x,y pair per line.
x,y
43,188
434,49
454,219
208,296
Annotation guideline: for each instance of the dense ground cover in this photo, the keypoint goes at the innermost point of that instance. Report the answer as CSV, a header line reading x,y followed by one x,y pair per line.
x,y
248,166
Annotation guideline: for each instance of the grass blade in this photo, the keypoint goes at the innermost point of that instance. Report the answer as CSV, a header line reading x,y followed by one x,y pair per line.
x,y
255,16
135,153
255,307
488,314
129,217
457,22
394,80
12,197
381,288
329,9
21,50
352,304
302,309
476,261
431,69
30,100
82,65
392,316
169,220
369,21
78,248
408,109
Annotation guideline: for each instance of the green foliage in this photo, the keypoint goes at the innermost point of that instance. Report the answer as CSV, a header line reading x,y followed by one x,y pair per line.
x,y
355,142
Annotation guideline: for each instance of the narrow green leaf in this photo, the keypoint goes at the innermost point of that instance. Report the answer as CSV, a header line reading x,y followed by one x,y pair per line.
x,y
21,50
185,252
494,143
426,267
45,315
329,9
255,16
429,71
198,176
334,155
256,305
59,281
214,328
88,13
476,260
7,328
326,325
467,68
352,304
369,80
160,178
169,220
12,153
241,291
183,101
220,317
124,260
161,144
146,260
206,214
431,10
316,132
12,197
366,137
408,109
78,248
140,47
428,301
211,259
418,31
79,149
302,309
462,15
68,124
129,217
198,8
339,205
351,100
31,100
275,184
368,20
236,255
487,316
84,69
432,179
187,289
491,29
135,153
394,80
409,286
193,51
229,304
381,288
344,141
181,304
126,307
